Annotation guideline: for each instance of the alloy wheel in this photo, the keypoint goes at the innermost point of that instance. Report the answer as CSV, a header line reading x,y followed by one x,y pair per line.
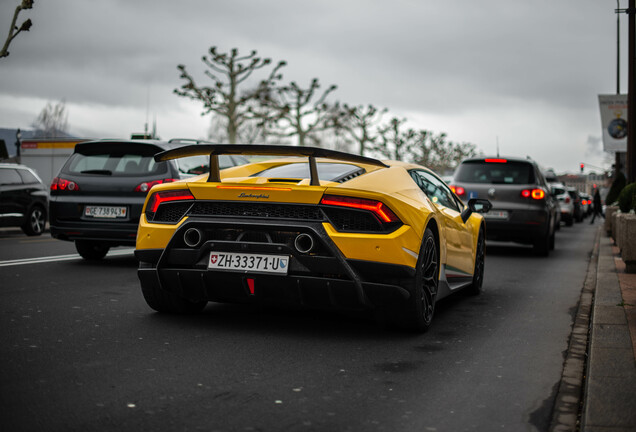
x,y
429,273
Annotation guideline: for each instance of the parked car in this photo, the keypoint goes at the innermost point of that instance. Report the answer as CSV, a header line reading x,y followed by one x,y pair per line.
x,y
97,197
557,222
566,204
576,202
523,209
23,199
324,229
586,204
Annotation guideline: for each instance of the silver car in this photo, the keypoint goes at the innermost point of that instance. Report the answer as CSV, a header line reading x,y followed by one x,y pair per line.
x,y
566,205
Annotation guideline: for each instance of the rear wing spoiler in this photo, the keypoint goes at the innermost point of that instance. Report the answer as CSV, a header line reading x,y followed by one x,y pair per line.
x,y
214,150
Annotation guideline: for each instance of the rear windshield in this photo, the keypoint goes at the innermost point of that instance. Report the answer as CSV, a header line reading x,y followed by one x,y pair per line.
x,y
115,159
495,172
326,171
194,165
558,190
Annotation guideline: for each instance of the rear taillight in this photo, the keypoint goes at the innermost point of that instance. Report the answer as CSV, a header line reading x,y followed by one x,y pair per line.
x,y
533,193
146,186
458,190
378,208
567,200
60,184
584,202
158,198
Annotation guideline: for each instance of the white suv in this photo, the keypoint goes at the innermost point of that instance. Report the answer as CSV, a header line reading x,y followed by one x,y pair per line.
x,y
566,205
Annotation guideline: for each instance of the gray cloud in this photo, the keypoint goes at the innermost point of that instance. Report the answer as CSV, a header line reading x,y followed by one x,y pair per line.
x,y
446,60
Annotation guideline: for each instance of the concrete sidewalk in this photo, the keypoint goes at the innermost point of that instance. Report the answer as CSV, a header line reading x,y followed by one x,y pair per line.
x,y
609,399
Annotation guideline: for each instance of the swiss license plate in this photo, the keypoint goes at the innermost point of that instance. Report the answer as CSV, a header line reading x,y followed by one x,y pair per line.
x,y
496,215
107,212
248,262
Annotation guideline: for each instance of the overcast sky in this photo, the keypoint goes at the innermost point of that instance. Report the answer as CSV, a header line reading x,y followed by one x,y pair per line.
x,y
525,74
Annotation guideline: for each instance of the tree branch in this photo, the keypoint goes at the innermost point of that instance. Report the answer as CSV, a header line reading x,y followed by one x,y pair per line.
x,y
13,29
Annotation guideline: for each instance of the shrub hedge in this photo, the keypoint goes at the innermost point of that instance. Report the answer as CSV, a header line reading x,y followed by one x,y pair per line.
x,y
617,186
627,198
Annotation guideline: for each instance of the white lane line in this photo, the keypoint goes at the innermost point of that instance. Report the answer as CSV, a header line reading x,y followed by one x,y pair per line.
x,y
57,258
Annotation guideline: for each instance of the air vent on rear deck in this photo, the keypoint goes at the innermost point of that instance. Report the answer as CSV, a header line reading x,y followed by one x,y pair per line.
x,y
350,176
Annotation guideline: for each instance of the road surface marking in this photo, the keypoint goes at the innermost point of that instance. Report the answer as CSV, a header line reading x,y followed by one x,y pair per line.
x,y
70,257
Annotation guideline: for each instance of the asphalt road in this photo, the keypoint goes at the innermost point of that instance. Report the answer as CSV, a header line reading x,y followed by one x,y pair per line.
x,y
81,351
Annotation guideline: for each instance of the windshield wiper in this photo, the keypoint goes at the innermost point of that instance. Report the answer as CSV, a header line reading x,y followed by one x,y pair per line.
x,y
97,171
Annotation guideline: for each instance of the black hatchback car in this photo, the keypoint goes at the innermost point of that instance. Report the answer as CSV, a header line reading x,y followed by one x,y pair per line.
x,y
23,199
523,209
97,197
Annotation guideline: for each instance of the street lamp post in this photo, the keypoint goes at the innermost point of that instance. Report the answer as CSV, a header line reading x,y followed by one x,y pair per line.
x,y
18,144
631,95
630,162
618,48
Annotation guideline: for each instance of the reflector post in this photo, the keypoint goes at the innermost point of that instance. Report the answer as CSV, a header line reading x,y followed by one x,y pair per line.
x,y
250,285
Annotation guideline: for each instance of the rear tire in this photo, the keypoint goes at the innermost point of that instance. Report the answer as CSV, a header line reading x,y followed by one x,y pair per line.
x,y
91,250
552,241
542,246
569,221
35,222
167,302
417,315
480,259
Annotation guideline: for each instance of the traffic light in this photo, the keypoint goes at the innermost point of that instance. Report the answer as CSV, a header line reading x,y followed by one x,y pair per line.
x,y
582,166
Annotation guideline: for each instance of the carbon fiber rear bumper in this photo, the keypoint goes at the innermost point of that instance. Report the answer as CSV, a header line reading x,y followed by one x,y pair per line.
x,y
322,279
306,291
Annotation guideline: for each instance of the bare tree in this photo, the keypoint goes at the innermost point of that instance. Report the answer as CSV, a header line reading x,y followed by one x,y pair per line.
x,y
218,129
228,72
292,111
440,155
395,141
14,30
249,132
359,123
52,122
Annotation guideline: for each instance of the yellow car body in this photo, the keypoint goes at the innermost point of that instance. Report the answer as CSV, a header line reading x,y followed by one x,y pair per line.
x,y
351,241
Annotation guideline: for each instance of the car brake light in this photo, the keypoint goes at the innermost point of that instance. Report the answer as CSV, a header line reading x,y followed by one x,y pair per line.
x,y
534,193
496,160
567,200
146,186
158,198
60,184
260,188
458,190
384,213
584,202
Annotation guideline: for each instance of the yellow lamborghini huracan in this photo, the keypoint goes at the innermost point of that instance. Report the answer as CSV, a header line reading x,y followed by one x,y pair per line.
x,y
320,229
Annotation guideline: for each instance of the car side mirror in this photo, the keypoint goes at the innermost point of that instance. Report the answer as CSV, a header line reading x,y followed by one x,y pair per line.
x,y
475,205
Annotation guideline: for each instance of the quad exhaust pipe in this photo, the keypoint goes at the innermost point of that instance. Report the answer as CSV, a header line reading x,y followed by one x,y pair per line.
x,y
192,237
304,243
